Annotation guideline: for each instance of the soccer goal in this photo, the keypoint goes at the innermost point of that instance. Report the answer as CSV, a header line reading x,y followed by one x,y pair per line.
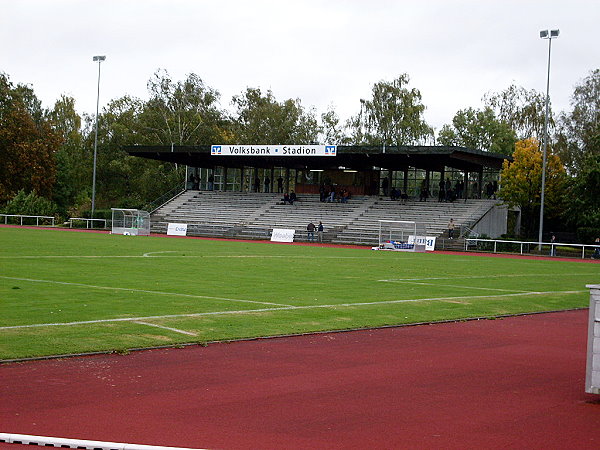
x,y
133,222
402,235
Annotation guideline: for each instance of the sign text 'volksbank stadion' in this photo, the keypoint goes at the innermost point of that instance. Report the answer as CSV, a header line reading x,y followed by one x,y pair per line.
x,y
273,150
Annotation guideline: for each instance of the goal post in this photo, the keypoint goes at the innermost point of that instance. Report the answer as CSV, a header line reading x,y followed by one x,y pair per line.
x,y
402,235
134,222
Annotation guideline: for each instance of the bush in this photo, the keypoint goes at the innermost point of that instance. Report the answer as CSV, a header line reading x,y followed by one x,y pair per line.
x,y
587,235
30,205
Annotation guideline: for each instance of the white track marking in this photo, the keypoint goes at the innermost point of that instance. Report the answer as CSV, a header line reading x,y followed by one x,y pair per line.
x,y
110,288
165,328
287,308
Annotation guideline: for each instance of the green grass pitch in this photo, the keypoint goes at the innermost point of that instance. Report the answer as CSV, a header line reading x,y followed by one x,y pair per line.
x,y
65,292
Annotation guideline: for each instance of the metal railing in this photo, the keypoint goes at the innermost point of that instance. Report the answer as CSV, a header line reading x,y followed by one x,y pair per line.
x,y
22,216
89,223
530,247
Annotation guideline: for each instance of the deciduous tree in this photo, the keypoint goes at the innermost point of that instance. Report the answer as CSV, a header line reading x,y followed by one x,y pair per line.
x,y
393,116
578,137
521,182
478,129
27,144
261,119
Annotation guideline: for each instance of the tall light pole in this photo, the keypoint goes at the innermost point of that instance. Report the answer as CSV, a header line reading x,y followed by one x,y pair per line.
x,y
545,34
99,59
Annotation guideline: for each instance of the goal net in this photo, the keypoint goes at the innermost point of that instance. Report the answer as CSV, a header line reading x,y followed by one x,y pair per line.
x,y
133,222
402,235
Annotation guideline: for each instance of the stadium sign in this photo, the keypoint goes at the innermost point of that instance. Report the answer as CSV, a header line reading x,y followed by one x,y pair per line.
x,y
429,242
282,235
177,229
273,150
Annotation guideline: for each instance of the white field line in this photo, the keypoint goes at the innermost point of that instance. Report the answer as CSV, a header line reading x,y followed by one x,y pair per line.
x,y
110,288
176,330
151,255
472,277
454,286
288,308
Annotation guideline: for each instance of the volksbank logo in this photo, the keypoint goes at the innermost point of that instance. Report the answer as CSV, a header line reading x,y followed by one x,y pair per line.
x,y
273,150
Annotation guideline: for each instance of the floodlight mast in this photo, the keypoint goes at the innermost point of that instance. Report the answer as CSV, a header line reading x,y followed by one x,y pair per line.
x,y
545,34
99,59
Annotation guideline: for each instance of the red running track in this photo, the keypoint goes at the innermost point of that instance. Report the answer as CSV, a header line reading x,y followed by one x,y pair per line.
x,y
511,383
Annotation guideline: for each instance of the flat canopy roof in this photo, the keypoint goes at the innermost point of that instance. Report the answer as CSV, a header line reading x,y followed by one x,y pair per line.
x,y
433,158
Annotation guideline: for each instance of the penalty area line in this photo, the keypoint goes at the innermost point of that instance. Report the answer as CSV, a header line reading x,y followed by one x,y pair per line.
x,y
288,308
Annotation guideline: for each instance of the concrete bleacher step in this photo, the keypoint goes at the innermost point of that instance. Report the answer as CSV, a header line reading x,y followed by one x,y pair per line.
x,y
254,215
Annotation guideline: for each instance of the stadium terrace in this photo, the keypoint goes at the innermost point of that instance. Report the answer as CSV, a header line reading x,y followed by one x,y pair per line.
x,y
359,169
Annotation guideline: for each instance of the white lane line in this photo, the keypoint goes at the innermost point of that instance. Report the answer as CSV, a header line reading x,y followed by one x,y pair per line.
x,y
288,308
176,330
110,288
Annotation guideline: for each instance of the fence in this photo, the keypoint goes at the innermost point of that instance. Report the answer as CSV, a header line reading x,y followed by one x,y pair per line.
x,y
89,223
533,248
20,218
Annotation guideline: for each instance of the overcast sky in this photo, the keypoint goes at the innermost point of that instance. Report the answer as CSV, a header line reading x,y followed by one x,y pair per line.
x,y
326,52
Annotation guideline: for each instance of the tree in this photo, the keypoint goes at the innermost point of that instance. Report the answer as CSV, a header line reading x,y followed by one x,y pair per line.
x,y
73,164
393,116
261,119
478,129
578,137
583,209
183,112
521,182
27,143
331,130
522,110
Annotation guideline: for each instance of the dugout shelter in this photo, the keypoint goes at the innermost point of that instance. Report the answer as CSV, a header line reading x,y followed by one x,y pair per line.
x,y
134,222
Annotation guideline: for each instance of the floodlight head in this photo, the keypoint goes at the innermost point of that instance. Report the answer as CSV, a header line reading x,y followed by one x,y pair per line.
x,y
554,33
99,58
544,34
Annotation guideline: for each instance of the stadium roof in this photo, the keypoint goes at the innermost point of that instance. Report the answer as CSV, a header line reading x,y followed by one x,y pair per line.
x,y
433,158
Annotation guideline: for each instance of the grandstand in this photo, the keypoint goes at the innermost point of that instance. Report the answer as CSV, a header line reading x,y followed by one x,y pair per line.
x,y
254,215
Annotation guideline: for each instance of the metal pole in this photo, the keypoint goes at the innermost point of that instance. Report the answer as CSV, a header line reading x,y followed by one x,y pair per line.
x,y
545,146
99,59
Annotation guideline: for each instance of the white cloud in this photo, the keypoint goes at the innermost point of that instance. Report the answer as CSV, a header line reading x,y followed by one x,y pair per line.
x,y
323,52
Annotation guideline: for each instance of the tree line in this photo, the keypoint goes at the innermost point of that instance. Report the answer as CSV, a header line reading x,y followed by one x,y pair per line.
x,y
46,154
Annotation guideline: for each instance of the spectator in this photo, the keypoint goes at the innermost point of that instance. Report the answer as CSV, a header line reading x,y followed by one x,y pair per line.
x,y
331,198
256,184
320,232
384,186
267,184
596,254
451,229
424,192
280,185
211,183
322,194
403,197
394,194
552,245
442,190
293,197
286,198
345,195
310,231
